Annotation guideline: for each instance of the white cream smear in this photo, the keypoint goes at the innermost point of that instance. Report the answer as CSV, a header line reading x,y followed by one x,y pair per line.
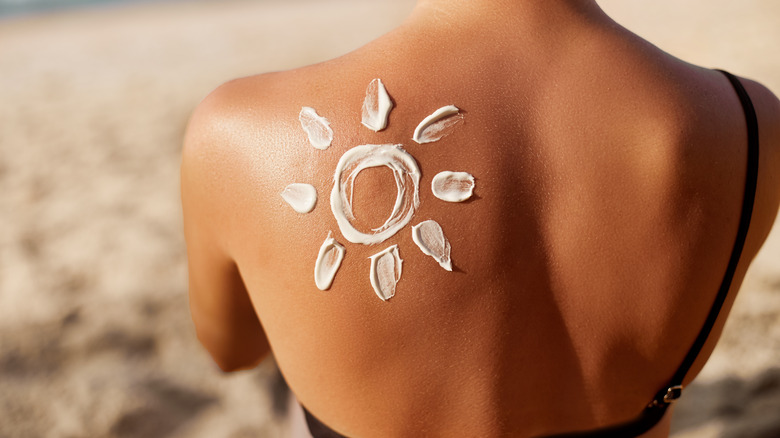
x,y
376,106
438,124
385,272
429,237
301,197
407,181
317,128
453,186
386,265
328,262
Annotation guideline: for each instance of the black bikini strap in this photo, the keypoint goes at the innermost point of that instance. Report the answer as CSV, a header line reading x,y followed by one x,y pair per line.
x,y
751,179
317,428
655,411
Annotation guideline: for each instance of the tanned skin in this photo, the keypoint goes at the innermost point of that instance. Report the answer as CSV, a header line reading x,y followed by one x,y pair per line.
x,y
610,178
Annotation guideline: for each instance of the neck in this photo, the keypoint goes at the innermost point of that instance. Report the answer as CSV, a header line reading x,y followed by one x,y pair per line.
x,y
496,12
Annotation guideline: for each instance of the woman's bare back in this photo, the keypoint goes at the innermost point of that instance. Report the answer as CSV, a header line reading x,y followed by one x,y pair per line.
x,y
609,180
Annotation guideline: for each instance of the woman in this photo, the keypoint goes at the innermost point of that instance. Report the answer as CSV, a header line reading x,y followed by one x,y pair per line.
x,y
618,199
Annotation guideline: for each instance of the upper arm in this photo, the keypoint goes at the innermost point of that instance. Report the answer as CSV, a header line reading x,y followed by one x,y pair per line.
x,y
768,192
224,317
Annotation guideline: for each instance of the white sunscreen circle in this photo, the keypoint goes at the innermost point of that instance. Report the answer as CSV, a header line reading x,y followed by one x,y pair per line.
x,y
453,186
407,181
301,197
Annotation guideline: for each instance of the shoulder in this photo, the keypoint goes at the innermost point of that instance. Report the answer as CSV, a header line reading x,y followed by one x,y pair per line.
x,y
722,122
241,141
218,144
240,122
767,108
252,112
228,110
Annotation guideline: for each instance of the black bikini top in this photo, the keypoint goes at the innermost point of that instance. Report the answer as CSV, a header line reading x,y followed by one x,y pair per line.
x,y
654,411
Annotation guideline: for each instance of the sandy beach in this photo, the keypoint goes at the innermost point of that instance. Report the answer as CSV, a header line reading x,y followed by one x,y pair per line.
x,y
95,334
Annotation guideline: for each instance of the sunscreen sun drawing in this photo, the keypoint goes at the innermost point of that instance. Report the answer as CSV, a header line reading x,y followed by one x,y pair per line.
x,y
386,265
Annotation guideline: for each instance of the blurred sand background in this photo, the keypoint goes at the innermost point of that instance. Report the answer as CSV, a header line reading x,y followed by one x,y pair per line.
x,y
95,335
